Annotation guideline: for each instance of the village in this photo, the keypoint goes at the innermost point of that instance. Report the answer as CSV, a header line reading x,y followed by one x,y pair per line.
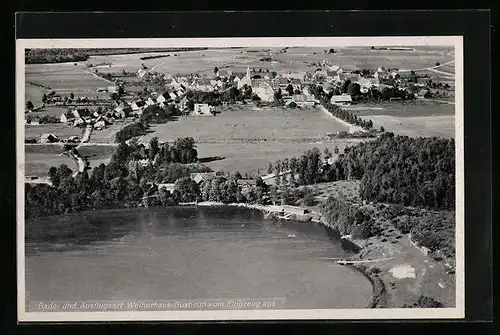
x,y
287,89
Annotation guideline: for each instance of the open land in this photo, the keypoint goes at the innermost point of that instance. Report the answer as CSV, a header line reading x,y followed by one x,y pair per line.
x,y
249,137
411,119
294,59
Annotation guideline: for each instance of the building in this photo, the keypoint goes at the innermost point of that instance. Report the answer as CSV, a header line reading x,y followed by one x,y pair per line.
x,y
49,138
201,176
263,89
246,80
168,187
112,89
203,109
303,100
138,105
67,117
163,98
183,104
279,82
122,110
246,184
203,84
423,93
294,210
141,73
341,100
368,82
151,101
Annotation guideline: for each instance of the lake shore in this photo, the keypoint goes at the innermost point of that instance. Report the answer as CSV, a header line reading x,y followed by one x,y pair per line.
x,y
405,275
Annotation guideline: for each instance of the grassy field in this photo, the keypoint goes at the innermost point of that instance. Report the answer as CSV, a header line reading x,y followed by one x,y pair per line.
x,y
293,60
60,129
414,119
64,78
249,138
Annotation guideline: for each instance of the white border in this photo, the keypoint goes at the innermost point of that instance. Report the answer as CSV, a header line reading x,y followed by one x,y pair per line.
x,y
353,314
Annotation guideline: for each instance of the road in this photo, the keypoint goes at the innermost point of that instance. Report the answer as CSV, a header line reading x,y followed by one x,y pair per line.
x,y
433,68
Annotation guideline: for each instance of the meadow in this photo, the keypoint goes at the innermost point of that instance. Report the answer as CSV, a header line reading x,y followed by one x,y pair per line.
x,y
60,129
411,119
249,137
64,78
294,59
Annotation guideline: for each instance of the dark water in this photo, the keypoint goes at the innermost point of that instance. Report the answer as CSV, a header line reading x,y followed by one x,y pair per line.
x,y
187,253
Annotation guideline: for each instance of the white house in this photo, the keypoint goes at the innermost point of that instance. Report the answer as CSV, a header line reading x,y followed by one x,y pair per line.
x,y
67,117
201,176
151,101
303,100
341,100
202,109
167,187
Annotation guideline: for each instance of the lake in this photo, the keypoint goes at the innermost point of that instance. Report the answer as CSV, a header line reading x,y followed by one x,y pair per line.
x,y
188,253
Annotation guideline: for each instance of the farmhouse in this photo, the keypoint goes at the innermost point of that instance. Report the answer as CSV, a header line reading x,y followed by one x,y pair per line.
x,y
423,93
163,98
122,110
203,84
246,184
67,117
112,89
201,176
279,82
341,100
49,138
138,105
151,101
368,82
202,109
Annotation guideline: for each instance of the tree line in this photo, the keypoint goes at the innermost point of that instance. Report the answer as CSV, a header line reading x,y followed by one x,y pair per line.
x,y
126,180
417,172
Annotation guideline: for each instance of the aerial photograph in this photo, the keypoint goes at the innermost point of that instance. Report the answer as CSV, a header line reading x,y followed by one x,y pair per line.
x,y
259,178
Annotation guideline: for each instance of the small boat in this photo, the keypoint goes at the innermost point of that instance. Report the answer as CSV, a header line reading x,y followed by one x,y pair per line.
x,y
291,235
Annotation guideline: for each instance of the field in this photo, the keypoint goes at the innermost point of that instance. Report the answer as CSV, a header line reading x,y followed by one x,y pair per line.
x,y
63,78
295,59
249,138
414,119
39,158
60,129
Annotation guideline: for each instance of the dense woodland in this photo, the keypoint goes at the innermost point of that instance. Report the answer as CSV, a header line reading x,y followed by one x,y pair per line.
x,y
417,172
41,56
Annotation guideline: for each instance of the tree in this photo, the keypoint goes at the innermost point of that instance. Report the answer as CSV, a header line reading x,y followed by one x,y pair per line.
x,y
289,89
437,63
188,189
44,98
154,148
72,96
353,89
114,96
382,129
327,154
278,95
345,86
216,70
29,105
336,150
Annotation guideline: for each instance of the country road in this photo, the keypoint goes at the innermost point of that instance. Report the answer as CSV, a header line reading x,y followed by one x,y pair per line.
x,y
433,68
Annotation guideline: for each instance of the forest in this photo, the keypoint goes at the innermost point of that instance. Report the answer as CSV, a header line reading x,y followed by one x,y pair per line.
x,y
417,172
123,181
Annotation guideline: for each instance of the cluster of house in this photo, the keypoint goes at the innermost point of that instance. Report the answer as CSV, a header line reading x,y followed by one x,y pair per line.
x,y
83,116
